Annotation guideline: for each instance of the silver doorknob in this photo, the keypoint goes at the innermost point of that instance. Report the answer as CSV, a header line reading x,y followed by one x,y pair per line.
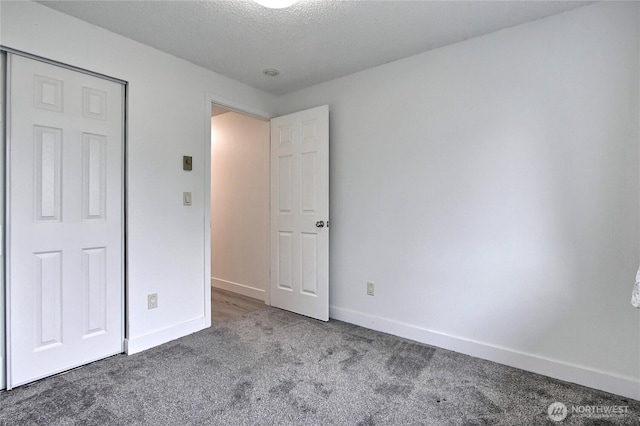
x,y
320,224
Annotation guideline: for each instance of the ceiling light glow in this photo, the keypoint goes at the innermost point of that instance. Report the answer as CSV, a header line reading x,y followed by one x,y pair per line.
x,y
275,4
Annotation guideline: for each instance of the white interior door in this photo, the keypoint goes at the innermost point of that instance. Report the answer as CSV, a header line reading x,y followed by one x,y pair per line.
x,y
3,383
300,212
65,217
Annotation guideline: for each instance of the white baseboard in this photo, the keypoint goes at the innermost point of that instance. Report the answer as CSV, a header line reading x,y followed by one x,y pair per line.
x,y
628,387
3,381
245,290
141,343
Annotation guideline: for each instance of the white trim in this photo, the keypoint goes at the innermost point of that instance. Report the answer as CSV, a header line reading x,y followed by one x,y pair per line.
x,y
267,245
206,216
245,290
3,124
123,211
626,386
60,64
158,337
237,107
7,220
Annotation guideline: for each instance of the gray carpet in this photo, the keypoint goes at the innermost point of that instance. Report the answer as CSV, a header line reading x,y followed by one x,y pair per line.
x,y
271,367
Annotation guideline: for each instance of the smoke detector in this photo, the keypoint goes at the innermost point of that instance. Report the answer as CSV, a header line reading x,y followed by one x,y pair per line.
x,y
271,72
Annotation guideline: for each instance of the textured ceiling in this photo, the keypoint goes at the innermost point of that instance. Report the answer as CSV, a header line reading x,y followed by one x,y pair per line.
x,y
312,41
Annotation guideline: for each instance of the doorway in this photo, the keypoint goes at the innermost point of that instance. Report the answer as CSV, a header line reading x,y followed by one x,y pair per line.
x,y
296,276
239,213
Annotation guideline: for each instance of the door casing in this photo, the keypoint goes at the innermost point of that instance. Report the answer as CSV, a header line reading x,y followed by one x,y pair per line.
x,y
241,108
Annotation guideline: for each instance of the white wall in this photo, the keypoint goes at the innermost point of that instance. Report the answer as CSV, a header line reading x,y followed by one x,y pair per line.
x,y
490,190
240,204
167,118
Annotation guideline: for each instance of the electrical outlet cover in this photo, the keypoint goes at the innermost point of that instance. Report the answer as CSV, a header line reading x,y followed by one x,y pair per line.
x,y
371,289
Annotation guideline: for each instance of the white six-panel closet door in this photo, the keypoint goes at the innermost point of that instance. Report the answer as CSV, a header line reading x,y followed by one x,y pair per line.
x,y
65,219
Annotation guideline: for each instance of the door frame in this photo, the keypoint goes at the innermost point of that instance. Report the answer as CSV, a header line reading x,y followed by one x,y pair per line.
x,y
5,169
248,110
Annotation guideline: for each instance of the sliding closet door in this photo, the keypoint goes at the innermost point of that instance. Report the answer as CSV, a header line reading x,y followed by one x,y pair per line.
x,y
3,383
65,219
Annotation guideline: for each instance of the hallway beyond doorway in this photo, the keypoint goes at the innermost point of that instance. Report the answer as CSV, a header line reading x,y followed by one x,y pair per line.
x,y
226,305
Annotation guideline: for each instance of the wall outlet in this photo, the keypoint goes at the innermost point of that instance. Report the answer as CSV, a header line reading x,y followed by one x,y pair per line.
x,y
371,289
152,300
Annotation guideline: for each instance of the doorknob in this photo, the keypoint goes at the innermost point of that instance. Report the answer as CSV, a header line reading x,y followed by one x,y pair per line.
x,y
320,224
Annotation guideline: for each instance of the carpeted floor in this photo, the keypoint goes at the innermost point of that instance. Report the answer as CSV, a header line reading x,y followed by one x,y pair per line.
x,y
271,367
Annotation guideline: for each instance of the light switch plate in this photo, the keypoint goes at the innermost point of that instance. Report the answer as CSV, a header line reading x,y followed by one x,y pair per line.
x,y
187,163
152,300
186,198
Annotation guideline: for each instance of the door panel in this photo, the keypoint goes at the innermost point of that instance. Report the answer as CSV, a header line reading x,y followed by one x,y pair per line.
x,y
65,216
300,212
2,286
